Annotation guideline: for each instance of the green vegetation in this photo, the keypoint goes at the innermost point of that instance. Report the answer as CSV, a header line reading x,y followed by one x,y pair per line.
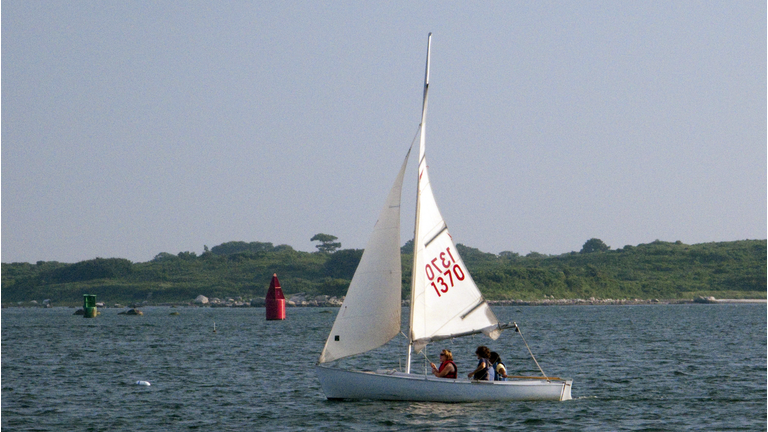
x,y
660,270
656,270
327,243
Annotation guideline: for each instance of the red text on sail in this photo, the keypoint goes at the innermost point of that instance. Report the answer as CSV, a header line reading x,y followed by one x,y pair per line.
x,y
442,270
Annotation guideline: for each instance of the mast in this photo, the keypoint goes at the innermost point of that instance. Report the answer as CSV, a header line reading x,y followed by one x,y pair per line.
x,y
416,246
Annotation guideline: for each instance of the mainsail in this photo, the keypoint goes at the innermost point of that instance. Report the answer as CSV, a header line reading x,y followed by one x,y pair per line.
x,y
445,302
370,314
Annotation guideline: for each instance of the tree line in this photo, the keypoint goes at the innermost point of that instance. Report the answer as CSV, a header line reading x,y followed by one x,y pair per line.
x,y
664,270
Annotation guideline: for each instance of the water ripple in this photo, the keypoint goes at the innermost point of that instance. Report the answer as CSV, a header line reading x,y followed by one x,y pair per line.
x,y
663,367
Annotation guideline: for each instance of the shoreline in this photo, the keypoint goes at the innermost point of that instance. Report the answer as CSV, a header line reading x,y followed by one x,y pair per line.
x,y
333,302
593,301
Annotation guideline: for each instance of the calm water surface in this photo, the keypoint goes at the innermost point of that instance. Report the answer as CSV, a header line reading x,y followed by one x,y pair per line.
x,y
661,367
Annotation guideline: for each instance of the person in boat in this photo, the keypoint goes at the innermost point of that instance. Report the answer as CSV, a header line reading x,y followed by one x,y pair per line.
x,y
484,370
448,368
499,369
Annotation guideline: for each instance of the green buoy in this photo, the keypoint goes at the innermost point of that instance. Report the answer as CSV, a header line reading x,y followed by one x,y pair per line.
x,y
89,306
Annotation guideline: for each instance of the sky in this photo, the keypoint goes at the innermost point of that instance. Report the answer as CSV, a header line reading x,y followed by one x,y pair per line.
x,y
131,128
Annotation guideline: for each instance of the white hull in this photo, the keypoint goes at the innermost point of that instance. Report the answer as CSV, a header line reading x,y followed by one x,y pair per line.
x,y
398,386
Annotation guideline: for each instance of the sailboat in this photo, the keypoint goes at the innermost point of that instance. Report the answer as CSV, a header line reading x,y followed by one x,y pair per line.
x,y
445,304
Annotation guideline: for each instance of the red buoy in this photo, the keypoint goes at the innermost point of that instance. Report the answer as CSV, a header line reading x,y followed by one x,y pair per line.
x,y
275,300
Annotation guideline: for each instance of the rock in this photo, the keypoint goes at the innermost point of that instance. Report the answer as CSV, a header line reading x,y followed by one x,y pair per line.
x,y
201,299
258,302
79,312
708,299
297,298
334,301
132,312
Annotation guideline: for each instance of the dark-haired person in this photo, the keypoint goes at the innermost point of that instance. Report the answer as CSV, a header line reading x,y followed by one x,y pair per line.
x,y
447,368
484,370
499,369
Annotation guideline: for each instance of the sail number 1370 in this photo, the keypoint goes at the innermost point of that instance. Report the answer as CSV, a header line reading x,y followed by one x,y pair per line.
x,y
441,271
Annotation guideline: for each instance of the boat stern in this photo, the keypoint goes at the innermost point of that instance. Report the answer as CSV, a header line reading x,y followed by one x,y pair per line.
x,y
566,393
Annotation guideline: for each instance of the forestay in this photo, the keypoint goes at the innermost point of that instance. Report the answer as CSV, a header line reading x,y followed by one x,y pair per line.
x,y
370,314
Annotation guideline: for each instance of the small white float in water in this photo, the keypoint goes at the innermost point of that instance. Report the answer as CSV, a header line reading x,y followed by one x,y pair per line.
x,y
143,383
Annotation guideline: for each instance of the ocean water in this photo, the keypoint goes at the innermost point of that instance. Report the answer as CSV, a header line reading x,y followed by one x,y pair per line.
x,y
648,367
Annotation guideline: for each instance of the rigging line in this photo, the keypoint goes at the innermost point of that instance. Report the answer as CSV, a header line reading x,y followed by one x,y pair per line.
x,y
424,353
529,351
418,129
426,359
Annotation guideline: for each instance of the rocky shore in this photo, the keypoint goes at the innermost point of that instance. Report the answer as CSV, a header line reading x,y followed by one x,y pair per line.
x,y
589,301
304,300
